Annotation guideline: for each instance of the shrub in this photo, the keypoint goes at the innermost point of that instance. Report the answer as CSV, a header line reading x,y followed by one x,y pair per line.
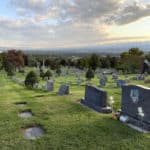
x,y
21,71
31,79
89,74
48,74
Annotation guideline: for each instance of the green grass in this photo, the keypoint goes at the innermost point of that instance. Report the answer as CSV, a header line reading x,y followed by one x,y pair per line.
x,y
68,125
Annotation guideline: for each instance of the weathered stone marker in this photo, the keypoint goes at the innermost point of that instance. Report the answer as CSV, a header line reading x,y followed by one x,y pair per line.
x,y
50,85
136,106
96,99
63,90
36,86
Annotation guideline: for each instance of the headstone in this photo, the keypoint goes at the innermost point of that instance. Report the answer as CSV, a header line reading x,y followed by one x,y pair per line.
x,y
96,99
63,90
135,106
44,87
79,82
114,76
35,86
50,85
102,82
121,83
134,78
141,77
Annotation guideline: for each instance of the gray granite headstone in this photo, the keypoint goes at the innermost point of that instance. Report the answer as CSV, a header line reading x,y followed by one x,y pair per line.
x,y
79,82
44,87
136,101
96,99
102,82
35,86
141,77
50,85
63,90
114,76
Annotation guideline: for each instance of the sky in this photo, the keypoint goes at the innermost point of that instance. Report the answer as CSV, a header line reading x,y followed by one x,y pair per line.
x,y
73,23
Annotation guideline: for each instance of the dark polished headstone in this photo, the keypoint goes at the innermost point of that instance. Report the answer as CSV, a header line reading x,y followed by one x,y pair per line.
x,y
136,105
121,83
63,90
96,99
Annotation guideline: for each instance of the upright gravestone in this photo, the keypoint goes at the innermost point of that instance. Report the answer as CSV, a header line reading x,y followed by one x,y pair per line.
x,y
141,77
102,82
79,81
35,86
96,99
63,90
121,83
114,76
44,87
135,108
50,85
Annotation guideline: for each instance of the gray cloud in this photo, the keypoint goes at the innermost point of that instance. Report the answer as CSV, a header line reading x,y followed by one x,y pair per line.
x,y
130,14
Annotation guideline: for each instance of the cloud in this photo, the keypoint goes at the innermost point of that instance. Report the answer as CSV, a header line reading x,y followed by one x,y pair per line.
x,y
130,14
66,23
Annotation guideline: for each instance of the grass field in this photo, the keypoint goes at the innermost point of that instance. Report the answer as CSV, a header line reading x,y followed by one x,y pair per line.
x,y
67,124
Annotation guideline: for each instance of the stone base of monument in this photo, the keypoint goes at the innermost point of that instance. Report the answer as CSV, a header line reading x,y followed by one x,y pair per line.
x,y
96,108
136,124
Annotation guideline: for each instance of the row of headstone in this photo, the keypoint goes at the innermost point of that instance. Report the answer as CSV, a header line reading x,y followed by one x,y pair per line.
x,y
49,86
134,106
19,81
63,90
139,77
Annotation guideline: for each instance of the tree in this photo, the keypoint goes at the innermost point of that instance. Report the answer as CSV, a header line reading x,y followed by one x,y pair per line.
x,y
42,74
1,61
89,74
48,74
105,62
31,79
94,61
12,60
135,51
131,61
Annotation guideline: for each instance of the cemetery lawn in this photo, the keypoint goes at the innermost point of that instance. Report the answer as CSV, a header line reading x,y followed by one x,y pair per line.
x,y
67,124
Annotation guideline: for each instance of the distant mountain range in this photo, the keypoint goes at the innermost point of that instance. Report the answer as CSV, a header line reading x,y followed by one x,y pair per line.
x,y
107,48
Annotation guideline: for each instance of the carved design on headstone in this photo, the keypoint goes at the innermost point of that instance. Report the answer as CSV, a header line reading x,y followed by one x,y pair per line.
x,y
134,94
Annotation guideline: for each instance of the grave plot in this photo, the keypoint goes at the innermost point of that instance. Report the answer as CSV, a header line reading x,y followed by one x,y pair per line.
x,y
21,103
25,114
33,132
